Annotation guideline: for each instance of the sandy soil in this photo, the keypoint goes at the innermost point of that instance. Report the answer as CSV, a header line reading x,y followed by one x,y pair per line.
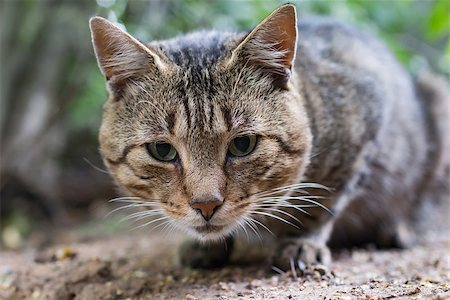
x,y
145,267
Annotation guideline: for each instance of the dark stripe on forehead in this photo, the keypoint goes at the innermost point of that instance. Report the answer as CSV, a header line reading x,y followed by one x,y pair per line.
x,y
211,113
187,111
182,94
170,121
196,74
285,145
210,94
226,114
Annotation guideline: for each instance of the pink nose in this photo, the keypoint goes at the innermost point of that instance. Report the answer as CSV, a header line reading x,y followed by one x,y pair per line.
x,y
207,207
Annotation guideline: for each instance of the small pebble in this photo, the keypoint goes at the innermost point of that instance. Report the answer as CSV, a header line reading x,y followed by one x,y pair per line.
x,y
248,293
36,294
140,274
65,252
256,283
224,286
321,269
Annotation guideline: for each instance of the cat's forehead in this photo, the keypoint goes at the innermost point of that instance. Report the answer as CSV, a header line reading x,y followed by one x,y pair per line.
x,y
198,49
201,99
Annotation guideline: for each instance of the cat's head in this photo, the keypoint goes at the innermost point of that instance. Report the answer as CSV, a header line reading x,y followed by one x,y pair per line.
x,y
201,124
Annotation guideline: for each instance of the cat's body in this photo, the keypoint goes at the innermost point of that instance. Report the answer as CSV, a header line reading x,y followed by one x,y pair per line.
x,y
207,126
377,140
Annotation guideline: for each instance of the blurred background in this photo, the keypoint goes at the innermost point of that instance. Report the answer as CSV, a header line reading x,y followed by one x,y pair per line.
x,y
51,175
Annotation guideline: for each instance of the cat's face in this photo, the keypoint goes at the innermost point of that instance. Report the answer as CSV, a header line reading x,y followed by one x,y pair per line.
x,y
201,129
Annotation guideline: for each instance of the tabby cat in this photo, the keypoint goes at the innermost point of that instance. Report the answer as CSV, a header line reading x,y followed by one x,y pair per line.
x,y
320,138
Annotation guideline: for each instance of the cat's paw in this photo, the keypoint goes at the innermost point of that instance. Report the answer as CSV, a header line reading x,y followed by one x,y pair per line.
x,y
205,256
298,254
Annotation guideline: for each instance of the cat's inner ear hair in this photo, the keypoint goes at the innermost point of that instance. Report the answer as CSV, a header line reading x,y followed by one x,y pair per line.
x,y
272,44
120,55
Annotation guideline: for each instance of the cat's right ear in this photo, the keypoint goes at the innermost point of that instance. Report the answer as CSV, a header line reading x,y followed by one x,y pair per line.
x,y
120,55
271,46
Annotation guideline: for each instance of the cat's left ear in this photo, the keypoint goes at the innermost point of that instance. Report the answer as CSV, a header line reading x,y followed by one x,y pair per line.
x,y
272,44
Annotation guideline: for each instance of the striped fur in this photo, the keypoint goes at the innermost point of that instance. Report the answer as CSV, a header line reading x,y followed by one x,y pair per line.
x,y
345,116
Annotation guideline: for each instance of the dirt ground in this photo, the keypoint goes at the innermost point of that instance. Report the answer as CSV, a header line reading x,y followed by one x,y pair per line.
x,y
138,266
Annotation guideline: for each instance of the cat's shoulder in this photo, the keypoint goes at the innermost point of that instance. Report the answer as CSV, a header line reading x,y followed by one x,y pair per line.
x,y
331,30
327,36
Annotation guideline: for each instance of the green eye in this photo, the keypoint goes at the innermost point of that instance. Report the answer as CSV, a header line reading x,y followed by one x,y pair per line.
x,y
243,145
162,151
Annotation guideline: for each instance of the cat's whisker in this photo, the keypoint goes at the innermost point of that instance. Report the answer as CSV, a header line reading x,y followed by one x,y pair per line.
x,y
141,215
151,222
120,208
297,197
242,225
309,200
125,198
281,203
264,226
138,218
287,205
295,187
164,230
284,213
278,270
94,166
274,216
303,185
128,201
133,222
159,225
131,206
286,201
283,191
171,229
253,227
142,201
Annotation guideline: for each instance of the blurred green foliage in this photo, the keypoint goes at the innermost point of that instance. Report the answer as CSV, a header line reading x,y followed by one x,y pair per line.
x,y
417,31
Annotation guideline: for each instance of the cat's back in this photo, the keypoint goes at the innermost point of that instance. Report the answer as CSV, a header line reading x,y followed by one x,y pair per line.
x,y
328,47
357,94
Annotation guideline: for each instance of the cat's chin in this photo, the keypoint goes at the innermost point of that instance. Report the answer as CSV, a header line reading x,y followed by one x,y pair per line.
x,y
209,232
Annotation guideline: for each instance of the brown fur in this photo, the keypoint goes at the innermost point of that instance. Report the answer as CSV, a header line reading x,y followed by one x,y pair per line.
x,y
345,115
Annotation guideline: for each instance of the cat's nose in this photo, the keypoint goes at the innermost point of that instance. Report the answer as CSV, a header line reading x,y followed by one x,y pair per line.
x,y
207,206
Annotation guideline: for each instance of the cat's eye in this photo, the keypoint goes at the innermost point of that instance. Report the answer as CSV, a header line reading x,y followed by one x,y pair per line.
x,y
162,151
242,146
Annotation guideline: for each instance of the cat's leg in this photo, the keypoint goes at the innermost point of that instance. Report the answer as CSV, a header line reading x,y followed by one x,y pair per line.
x,y
311,248
303,251
196,254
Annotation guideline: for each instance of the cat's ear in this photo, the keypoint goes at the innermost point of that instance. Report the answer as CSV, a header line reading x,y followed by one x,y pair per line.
x,y
120,55
272,44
